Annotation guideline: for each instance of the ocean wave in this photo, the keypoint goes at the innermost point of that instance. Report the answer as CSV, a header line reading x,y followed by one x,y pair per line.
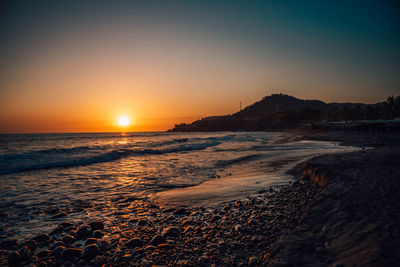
x,y
170,142
173,186
51,151
221,138
247,158
105,157
271,148
192,141
73,136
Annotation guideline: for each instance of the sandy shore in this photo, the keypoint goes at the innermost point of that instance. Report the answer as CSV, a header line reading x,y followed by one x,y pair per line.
x,y
343,210
247,178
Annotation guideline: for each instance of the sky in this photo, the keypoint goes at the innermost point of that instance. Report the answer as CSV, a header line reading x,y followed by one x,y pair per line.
x,y
75,66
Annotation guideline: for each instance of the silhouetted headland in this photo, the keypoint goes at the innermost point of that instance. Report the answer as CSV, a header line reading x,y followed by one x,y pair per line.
x,y
279,112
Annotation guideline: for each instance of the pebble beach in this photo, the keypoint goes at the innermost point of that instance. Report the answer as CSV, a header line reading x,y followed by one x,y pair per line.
x,y
340,210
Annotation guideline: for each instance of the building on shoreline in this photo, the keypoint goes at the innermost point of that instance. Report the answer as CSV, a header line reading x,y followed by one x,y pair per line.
x,y
358,125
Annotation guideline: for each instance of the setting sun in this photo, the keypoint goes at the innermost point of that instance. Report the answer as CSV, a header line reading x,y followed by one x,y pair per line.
x,y
123,120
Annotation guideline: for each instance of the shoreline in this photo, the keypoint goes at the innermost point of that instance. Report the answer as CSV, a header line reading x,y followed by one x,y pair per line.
x,y
238,181
341,209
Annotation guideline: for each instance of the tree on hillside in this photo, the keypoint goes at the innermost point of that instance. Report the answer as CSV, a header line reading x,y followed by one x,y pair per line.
x,y
392,107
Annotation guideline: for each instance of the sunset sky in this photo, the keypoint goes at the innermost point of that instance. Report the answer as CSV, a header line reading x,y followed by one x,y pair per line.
x,y
76,66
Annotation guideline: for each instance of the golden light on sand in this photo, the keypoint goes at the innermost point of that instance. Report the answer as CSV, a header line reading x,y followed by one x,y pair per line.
x,y
123,121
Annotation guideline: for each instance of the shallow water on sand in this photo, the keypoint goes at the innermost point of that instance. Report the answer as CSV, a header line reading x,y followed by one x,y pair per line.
x,y
49,178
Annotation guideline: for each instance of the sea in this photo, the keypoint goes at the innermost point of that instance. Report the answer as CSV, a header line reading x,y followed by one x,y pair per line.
x,y
49,178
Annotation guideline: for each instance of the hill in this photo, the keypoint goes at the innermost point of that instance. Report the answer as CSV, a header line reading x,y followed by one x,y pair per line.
x,y
281,112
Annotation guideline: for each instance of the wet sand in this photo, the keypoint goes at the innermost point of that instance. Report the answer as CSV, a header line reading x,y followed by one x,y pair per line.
x,y
233,184
243,180
341,210
353,217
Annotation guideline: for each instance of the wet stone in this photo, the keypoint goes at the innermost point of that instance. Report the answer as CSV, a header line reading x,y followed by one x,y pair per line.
x,y
90,241
41,238
203,260
180,212
138,251
169,210
134,220
97,225
195,213
252,261
171,218
98,261
150,248
158,239
188,229
90,251
68,240
72,232
14,258
251,222
82,262
216,218
57,231
57,251
83,231
127,256
70,229
10,244
66,225
187,222
97,234
134,242
71,252
32,244
103,244
56,244
164,246
25,253
142,223
238,227
43,253
171,231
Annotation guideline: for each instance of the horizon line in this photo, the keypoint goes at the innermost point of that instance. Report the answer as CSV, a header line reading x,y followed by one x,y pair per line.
x,y
83,132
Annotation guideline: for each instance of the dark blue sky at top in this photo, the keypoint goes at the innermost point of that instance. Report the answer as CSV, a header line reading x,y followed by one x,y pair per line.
x,y
356,38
